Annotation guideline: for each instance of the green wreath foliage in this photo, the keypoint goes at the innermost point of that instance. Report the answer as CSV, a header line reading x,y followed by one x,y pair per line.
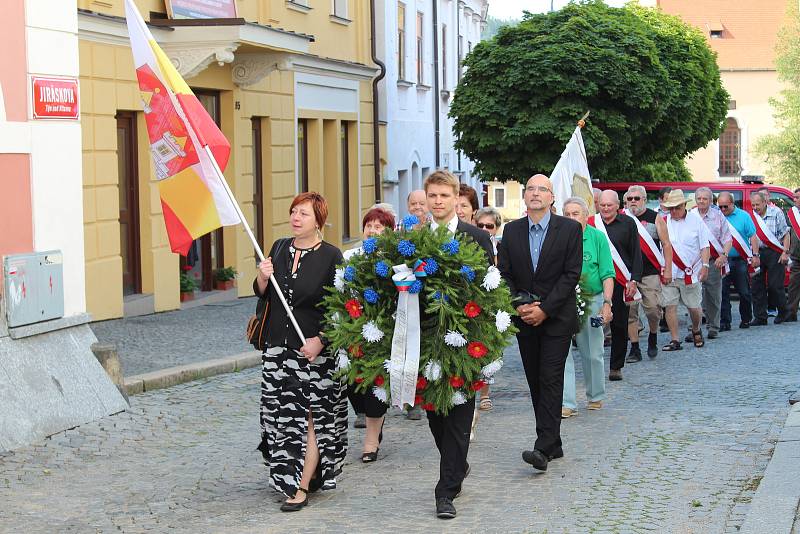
x,y
443,296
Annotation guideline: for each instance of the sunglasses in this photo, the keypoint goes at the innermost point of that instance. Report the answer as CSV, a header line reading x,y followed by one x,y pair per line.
x,y
723,206
488,226
633,198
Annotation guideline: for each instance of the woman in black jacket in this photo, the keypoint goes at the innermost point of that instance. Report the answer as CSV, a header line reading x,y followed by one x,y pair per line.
x,y
303,408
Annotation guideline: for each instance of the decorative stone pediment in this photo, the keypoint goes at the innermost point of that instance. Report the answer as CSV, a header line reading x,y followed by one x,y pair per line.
x,y
192,61
248,69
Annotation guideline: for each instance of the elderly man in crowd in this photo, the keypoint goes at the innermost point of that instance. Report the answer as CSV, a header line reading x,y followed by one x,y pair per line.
x,y
770,278
690,257
652,271
624,238
597,279
794,255
417,205
740,222
720,235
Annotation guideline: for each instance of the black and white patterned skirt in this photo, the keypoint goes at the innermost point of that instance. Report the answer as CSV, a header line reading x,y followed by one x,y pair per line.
x,y
291,387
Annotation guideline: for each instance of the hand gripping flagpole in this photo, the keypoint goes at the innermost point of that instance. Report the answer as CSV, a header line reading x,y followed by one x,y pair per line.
x,y
253,240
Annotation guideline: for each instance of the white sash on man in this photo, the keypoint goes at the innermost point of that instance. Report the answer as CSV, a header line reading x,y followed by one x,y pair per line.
x,y
794,220
679,252
742,246
621,271
764,233
649,246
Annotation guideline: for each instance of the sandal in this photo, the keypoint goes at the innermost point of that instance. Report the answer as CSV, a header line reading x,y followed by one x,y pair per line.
x,y
485,404
369,457
698,338
671,346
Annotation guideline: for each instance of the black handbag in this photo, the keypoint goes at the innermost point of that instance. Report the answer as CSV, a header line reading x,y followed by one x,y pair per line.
x,y
257,324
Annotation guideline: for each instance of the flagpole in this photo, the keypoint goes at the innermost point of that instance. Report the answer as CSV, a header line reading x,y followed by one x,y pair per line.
x,y
253,240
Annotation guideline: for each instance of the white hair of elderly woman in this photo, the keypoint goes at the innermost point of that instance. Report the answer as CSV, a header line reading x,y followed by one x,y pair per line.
x,y
578,201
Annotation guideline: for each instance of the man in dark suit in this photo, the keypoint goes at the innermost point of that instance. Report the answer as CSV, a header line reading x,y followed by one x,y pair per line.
x,y
451,432
540,258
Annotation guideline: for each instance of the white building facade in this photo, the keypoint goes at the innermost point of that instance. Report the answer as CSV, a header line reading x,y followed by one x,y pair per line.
x,y
423,68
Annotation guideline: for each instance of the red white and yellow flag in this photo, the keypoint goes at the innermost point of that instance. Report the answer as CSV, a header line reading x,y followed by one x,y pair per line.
x,y
193,196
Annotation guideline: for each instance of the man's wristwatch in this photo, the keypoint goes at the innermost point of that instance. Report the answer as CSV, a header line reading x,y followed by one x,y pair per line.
x,y
607,301
705,265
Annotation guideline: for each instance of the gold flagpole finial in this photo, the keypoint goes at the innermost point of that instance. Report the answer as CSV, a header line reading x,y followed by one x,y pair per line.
x,y
582,120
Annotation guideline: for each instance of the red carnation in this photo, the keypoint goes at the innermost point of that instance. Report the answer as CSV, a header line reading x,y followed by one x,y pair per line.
x,y
378,380
187,267
418,400
472,309
476,349
456,381
421,383
428,407
359,379
478,385
354,308
355,351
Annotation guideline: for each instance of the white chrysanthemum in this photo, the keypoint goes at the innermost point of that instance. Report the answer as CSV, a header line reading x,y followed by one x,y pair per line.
x,y
338,280
458,398
502,320
491,368
371,332
380,394
455,339
433,371
492,279
342,361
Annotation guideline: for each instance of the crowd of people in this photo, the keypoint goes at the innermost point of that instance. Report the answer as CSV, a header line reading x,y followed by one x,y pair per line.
x,y
635,265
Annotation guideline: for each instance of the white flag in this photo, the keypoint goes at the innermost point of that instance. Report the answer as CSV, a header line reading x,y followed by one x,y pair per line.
x,y
571,176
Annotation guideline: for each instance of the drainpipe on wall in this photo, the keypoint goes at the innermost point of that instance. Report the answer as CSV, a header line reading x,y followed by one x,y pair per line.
x,y
376,139
436,80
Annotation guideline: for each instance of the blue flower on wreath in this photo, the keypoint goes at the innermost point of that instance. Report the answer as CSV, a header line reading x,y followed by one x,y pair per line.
x,y
410,221
437,295
370,295
431,266
467,273
381,269
416,287
451,247
349,273
406,248
369,245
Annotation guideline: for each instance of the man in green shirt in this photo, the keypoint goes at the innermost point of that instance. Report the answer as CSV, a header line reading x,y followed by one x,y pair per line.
x,y
597,279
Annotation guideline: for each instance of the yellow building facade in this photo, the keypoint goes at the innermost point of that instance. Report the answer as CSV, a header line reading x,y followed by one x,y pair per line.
x,y
506,197
290,87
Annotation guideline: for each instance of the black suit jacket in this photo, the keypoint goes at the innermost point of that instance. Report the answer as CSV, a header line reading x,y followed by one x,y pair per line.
x,y
560,263
481,237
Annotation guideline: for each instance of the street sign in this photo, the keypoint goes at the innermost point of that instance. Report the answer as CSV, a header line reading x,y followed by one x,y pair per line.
x,y
55,98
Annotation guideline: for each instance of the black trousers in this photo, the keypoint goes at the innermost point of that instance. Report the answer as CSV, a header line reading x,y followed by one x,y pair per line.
x,y
451,434
544,358
619,327
366,403
769,282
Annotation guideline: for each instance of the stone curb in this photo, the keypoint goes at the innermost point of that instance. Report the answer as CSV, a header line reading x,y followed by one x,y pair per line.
x,y
181,374
775,505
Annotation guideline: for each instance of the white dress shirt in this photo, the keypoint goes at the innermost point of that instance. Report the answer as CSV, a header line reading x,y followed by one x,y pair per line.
x,y
452,225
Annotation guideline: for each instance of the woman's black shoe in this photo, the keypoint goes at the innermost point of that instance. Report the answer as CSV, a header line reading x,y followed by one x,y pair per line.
x,y
295,506
369,457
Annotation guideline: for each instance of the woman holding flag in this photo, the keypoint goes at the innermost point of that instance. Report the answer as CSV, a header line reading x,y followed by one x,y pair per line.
x,y
303,407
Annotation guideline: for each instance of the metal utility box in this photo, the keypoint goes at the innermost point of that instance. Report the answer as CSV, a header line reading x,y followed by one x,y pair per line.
x,y
34,287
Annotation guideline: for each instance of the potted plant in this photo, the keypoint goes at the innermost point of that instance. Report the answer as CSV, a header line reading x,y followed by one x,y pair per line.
x,y
224,278
187,284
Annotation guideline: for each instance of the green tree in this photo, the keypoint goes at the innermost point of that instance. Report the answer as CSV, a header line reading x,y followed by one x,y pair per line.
x,y
651,82
782,149
493,25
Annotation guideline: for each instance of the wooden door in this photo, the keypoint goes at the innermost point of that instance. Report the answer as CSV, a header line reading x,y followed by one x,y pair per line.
x,y
128,173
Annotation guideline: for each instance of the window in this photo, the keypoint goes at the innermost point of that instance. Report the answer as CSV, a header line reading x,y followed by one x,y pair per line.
x,y
258,184
460,56
782,201
730,149
401,41
731,104
419,48
499,197
716,34
444,56
302,154
345,142
340,8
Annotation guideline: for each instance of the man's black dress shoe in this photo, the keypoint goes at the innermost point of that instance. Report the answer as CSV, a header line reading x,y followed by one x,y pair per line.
x,y
743,325
536,458
635,355
445,508
758,322
724,327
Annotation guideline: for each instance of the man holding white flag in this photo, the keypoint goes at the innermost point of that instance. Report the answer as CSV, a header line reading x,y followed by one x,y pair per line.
x,y
571,177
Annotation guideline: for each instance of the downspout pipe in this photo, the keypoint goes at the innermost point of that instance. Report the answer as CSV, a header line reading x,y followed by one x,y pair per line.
x,y
376,133
436,81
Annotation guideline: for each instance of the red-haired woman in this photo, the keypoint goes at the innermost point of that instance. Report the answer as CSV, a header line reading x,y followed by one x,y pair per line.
x,y
367,405
303,408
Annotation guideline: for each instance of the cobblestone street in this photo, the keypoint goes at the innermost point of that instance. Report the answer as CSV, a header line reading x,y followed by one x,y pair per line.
x,y
679,446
